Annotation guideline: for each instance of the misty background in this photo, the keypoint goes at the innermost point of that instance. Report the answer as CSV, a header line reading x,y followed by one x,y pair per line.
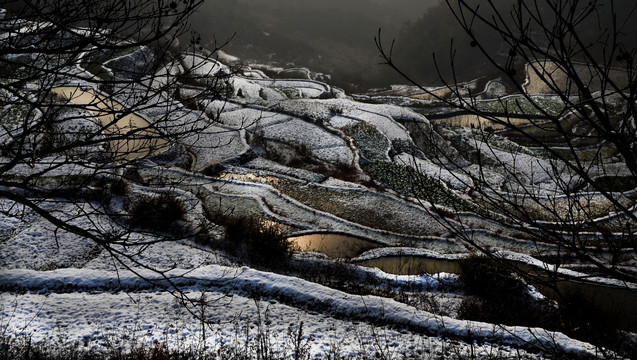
x,y
336,37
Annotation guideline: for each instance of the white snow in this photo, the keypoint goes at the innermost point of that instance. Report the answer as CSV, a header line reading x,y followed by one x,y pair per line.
x,y
56,284
247,88
458,181
90,302
406,251
83,304
308,88
201,66
529,169
290,130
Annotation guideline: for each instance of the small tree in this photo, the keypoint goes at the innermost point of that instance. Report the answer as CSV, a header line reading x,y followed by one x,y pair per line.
x,y
574,190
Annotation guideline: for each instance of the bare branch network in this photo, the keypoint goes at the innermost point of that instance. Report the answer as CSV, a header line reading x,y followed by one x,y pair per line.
x,y
91,93
573,74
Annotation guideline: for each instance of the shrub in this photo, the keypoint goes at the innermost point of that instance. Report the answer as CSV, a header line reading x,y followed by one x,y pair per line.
x,y
482,276
213,170
158,212
256,240
24,348
341,170
497,296
615,183
118,186
585,320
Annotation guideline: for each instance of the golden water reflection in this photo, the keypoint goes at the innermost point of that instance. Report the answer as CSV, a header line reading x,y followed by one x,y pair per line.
x,y
333,245
135,137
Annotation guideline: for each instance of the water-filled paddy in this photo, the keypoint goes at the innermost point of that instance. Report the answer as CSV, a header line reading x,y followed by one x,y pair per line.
x,y
133,135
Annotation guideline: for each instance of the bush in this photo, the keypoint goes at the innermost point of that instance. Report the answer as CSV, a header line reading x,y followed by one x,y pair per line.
x,y
117,186
615,183
586,321
497,296
341,170
482,276
256,240
156,212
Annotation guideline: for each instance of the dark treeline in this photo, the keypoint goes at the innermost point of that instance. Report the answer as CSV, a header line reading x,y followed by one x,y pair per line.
x,y
336,37
330,36
435,29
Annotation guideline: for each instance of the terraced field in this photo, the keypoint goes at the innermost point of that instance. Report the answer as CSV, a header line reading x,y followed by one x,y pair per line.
x,y
374,206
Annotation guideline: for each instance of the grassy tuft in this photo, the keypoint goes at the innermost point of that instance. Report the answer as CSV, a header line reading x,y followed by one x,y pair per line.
x,y
158,212
496,295
256,240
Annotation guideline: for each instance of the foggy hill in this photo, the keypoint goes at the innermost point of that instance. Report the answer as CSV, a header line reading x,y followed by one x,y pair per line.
x,y
334,37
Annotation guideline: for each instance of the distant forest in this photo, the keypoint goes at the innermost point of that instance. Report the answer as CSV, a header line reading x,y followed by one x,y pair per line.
x,y
330,36
433,32
336,37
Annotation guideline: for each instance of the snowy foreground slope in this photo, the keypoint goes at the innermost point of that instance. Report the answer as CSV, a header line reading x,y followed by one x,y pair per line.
x,y
89,303
295,152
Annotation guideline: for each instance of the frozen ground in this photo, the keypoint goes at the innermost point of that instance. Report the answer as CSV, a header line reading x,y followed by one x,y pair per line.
x,y
93,307
87,301
276,148
95,319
